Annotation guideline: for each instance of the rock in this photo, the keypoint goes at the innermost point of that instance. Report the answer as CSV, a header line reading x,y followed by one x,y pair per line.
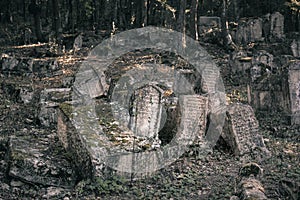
x,y
49,101
295,47
33,161
55,193
16,183
26,94
250,169
241,132
251,188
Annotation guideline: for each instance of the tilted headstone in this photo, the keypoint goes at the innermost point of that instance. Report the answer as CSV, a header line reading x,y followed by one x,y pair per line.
x,y
241,131
193,108
294,88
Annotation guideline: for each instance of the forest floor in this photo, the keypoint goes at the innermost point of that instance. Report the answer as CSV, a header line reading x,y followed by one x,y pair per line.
x,y
193,176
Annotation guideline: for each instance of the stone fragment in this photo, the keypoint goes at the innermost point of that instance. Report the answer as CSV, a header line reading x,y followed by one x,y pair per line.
x,y
89,82
241,132
33,161
26,94
251,188
49,101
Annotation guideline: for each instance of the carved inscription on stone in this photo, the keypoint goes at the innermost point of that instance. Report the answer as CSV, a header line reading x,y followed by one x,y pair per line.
x,y
193,109
145,112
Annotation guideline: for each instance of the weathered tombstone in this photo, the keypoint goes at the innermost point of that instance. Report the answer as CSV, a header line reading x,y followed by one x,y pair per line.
x,y
206,23
294,88
89,82
49,101
241,132
192,108
146,112
249,31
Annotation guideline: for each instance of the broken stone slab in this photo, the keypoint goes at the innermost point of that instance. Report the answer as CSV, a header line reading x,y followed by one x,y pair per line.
x,y
38,160
49,101
251,188
249,185
27,65
241,132
92,149
294,89
249,31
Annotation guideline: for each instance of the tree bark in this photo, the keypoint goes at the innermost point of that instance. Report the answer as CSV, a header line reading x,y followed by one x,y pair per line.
x,y
35,10
194,19
181,17
56,19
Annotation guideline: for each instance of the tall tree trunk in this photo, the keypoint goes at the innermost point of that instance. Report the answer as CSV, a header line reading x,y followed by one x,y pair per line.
x,y
194,19
227,40
140,13
181,17
71,15
35,10
56,19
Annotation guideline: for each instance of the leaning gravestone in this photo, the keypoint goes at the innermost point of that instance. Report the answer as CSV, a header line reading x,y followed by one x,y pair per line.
x,y
241,131
294,88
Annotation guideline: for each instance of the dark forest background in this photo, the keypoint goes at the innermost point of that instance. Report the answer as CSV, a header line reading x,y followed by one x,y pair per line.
x,y
44,18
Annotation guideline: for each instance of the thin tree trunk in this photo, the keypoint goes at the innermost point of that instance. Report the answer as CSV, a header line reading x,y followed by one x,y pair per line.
x,y
227,40
194,19
35,10
56,18
181,17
